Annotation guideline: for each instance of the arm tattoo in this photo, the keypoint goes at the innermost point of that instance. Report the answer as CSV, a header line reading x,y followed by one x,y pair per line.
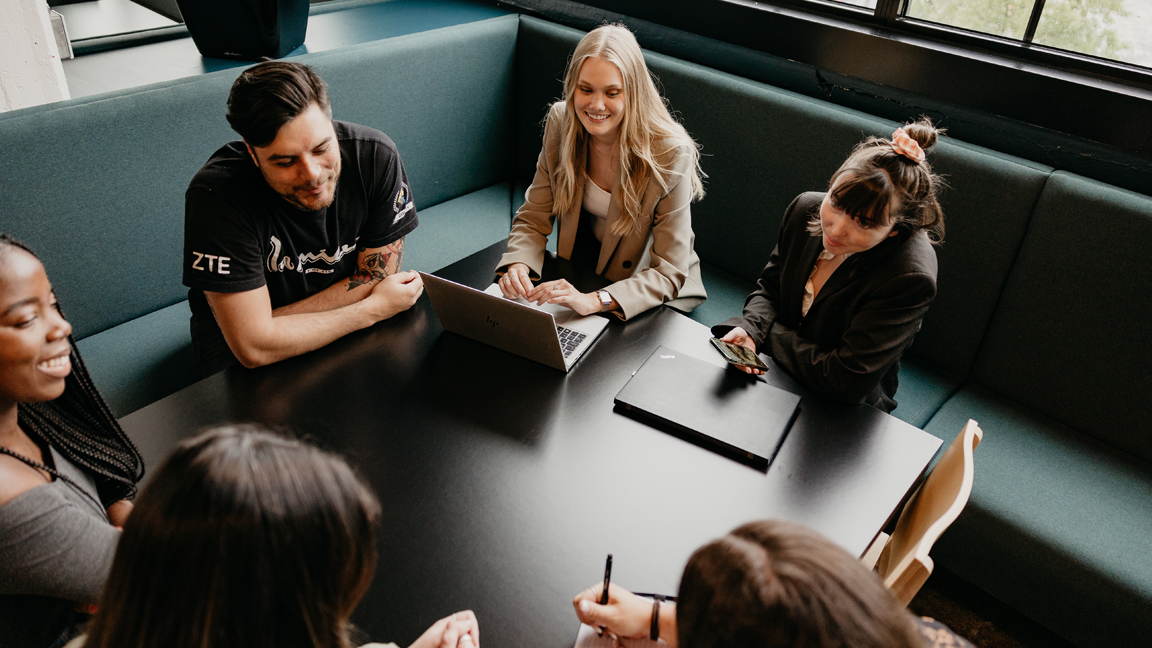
x,y
398,246
374,267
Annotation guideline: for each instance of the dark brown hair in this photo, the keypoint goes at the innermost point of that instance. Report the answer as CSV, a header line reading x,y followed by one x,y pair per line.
x,y
80,426
875,178
268,95
243,538
775,584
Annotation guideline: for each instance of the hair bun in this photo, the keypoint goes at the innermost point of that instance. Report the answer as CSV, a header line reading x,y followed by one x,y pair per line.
x,y
923,132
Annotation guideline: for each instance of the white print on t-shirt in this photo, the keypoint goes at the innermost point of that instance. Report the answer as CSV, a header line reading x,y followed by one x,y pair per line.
x,y
402,203
217,264
278,264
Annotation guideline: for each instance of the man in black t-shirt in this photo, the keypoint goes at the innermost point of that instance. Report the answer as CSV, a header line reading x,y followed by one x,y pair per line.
x,y
293,236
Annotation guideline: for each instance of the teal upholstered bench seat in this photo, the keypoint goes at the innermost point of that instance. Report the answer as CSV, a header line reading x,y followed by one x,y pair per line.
x,y
142,360
454,229
1059,525
726,294
923,390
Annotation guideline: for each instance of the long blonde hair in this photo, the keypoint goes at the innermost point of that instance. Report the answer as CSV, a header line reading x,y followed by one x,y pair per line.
x,y
647,130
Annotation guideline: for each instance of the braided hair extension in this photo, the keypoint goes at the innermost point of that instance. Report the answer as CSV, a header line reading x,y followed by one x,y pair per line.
x,y
82,428
52,471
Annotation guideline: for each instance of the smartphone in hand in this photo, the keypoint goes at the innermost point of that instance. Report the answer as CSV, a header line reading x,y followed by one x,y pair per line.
x,y
738,355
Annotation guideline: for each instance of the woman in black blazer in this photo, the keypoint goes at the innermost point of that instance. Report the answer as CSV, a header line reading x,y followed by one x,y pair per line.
x,y
852,275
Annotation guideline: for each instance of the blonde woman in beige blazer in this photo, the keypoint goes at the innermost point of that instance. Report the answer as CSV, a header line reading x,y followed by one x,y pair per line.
x,y
610,146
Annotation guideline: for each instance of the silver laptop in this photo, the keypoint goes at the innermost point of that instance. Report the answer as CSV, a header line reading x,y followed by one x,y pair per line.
x,y
551,334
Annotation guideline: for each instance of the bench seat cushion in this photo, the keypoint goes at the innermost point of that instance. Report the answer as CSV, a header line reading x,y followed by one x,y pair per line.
x,y
454,229
923,390
1068,338
1058,525
726,295
142,360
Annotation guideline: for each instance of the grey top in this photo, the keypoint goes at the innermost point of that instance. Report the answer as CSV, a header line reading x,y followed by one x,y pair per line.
x,y
56,548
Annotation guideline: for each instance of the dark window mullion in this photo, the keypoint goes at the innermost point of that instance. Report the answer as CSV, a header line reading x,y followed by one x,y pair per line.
x,y
889,10
1033,21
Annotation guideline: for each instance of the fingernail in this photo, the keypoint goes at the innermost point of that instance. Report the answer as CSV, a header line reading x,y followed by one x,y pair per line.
x,y
585,607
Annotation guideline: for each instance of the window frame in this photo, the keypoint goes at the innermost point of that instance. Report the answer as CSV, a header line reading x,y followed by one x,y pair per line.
x,y
892,14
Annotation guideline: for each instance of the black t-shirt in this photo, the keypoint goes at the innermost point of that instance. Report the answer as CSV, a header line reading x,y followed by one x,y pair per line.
x,y
239,234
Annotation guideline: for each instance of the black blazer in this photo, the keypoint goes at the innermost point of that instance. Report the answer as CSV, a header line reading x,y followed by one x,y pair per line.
x,y
849,345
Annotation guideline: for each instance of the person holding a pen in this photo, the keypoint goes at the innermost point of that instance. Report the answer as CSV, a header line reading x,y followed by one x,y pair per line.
x,y
768,584
247,538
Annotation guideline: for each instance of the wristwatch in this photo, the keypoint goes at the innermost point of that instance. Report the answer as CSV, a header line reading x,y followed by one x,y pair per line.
x,y
605,299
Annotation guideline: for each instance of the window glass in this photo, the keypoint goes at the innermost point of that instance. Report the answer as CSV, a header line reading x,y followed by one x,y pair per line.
x,y
1114,29
97,18
1007,18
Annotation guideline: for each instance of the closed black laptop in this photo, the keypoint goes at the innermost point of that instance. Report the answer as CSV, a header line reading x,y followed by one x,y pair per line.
x,y
721,408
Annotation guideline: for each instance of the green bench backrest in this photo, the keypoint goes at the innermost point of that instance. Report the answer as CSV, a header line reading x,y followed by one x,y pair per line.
x,y
987,205
96,185
1069,337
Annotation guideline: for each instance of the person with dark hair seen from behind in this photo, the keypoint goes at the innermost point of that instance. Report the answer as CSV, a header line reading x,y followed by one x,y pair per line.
x,y
293,236
769,584
248,539
852,275
67,470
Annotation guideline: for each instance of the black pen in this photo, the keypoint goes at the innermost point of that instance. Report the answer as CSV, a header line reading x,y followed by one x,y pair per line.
x,y
604,594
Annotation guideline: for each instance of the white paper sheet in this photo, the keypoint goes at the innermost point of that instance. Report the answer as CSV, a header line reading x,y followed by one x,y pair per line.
x,y
587,638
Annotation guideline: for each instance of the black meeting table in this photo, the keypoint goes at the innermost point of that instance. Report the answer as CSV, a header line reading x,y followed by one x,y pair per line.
x,y
505,483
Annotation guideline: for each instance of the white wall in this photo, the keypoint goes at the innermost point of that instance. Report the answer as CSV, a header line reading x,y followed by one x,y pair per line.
x,y
30,70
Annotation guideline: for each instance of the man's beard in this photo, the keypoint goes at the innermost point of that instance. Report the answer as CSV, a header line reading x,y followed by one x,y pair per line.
x,y
291,196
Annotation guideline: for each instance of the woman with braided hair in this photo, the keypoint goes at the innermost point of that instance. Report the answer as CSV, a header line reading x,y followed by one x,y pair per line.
x,y
66,468
853,273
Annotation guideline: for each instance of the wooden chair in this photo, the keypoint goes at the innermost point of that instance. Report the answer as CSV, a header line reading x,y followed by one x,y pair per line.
x,y
902,560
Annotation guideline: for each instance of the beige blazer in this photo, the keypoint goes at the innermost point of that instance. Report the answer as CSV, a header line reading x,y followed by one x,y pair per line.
x,y
656,266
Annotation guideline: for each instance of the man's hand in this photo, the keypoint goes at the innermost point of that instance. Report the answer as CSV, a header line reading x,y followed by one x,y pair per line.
x,y
459,630
393,294
740,337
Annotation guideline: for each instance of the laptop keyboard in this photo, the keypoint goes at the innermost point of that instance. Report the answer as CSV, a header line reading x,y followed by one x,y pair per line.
x,y
569,339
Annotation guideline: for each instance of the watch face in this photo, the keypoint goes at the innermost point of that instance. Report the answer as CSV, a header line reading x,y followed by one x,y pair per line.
x,y
605,297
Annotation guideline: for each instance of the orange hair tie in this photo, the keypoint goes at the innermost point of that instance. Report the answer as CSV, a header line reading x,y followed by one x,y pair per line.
x,y
903,144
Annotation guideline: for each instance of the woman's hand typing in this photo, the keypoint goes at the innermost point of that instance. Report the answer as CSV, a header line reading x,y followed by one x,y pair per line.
x,y
563,293
516,282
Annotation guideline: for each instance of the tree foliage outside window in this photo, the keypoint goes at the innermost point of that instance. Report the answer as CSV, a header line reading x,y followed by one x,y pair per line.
x,y
1086,26
1007,18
